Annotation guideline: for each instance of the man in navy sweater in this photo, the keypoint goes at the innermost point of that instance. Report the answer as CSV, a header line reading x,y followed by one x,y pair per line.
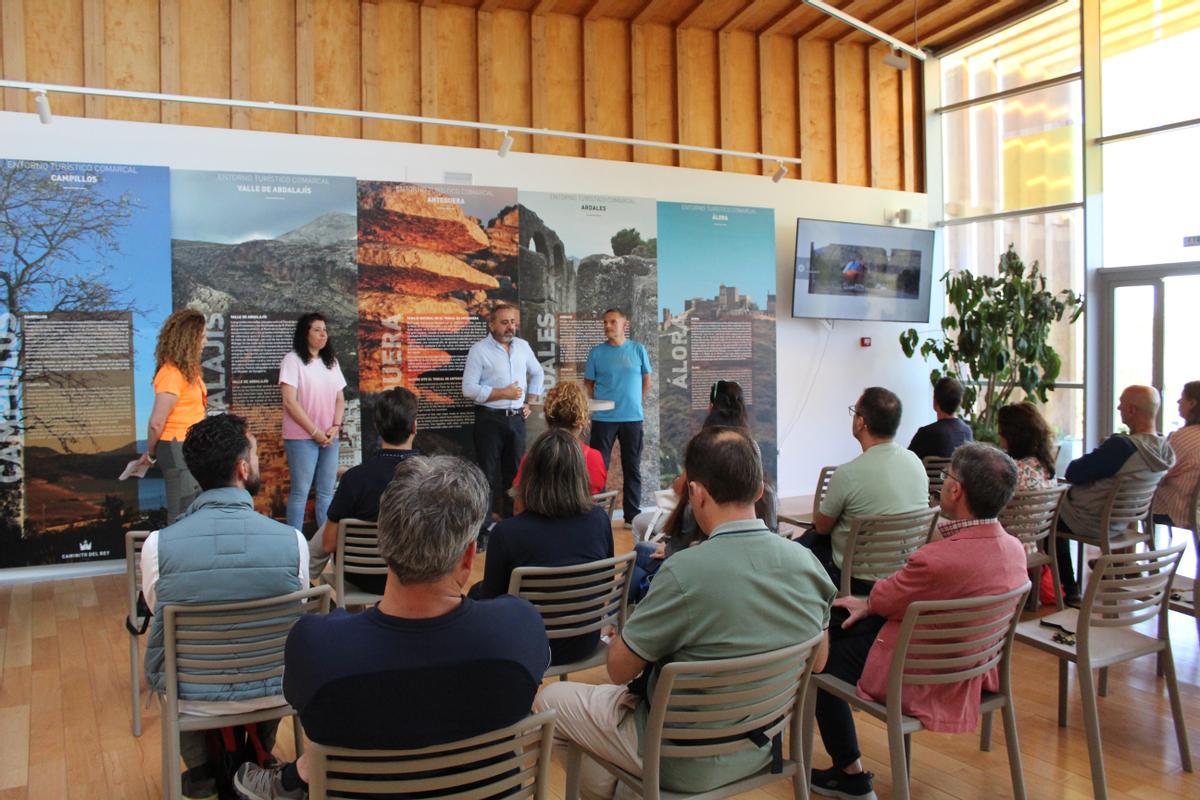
x,y
425,665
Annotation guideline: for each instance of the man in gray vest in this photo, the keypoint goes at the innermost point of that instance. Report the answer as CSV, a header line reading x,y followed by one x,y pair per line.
x,y
219,551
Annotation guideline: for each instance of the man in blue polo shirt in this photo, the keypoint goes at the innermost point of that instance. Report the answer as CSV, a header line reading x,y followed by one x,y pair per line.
x,y
619,370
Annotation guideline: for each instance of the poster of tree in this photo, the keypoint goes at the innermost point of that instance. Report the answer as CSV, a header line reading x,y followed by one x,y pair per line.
x,y
432,259
84,257
253,251
717,287
581,255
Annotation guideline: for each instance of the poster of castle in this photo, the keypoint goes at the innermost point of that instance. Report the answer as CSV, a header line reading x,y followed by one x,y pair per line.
x,y
580,255
84,252
717,291
432,260
254,251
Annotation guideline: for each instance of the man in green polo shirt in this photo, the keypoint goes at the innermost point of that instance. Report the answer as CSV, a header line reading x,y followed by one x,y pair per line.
x,y
744,590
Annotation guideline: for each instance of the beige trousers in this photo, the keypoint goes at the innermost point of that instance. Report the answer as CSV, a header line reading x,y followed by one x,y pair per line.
x,y
600,720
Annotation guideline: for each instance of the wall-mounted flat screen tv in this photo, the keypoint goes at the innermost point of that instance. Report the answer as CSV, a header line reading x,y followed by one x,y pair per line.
x,y
848,270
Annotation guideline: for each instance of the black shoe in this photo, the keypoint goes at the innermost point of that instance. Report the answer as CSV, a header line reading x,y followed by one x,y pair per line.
x,y
833,782
1073,600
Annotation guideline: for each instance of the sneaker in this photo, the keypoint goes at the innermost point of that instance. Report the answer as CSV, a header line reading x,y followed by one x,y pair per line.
x,y
252,782
199,784
833,782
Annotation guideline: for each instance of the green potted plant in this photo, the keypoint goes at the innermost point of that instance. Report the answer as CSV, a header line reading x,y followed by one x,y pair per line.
x,y
995,338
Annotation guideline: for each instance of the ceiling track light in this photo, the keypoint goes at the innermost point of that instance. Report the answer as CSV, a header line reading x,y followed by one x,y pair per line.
x,y
42,103
506,144
780,173
896,61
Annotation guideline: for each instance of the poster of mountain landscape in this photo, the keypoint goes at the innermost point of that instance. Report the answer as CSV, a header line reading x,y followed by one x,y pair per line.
x,y
717,289
432,260
580,255
251,251
85,267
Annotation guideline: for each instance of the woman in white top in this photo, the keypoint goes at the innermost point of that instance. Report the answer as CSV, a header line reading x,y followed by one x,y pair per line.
x,y
311,383
1171,501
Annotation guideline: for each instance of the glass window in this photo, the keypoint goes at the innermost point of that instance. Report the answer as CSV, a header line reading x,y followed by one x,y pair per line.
x,y
1055,241
1042,47
1181,334
1020,152
1132,340
1150,199
1145,45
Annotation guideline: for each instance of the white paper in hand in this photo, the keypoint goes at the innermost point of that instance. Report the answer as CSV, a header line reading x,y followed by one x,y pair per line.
x,y
135,468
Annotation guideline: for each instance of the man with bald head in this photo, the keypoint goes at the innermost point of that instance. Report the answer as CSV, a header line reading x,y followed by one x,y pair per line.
x,y
1141,454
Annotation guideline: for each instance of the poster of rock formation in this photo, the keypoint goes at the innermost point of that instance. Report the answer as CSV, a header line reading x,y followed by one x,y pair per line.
x,y
252,251
84,255
432,259
581,255
717,288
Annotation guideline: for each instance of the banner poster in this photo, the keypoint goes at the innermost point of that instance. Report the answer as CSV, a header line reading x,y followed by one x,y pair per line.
x,y
717,286
254,251
432,259
86,285
581,255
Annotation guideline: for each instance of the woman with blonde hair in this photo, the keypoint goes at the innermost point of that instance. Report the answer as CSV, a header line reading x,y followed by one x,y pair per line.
x,y
567,408
179,398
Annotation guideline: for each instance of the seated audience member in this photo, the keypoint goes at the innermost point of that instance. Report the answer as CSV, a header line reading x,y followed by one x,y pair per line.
x,y
560,526
357,495
425,665
1178,485
885,479
1141,454
567,408
726,409
219,550
941,437
1025,436
974,558
744,590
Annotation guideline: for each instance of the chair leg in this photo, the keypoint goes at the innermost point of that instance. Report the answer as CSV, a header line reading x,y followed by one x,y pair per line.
x,y
908,754
172,778
1091,725
1012,743
1059,603
985,733
574,767
810,721
562,677
298,735
135,686
1185,753
899,759
1063,666
1103,691
1079,548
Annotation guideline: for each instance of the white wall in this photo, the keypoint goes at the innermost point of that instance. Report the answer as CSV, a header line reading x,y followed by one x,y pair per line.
x,y
822,366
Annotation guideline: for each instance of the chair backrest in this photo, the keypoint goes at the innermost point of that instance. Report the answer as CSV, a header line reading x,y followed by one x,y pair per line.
x,y
1128,503
231,643
933,471
879,546
822,486
607,501
577,599
357,553
513,762
708,708
1193,524
1128,588
1031,514
950,641
134,542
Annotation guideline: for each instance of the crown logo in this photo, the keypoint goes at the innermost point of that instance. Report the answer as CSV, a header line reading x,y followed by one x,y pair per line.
x,y
85,546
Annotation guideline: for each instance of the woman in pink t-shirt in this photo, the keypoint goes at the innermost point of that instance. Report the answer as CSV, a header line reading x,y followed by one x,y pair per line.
x,y
311,383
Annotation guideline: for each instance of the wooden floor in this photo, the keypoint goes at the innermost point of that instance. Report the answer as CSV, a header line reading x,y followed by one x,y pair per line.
x,y
65,724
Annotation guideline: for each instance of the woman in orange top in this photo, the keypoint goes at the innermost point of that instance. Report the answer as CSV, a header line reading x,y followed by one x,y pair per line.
x,y
179,398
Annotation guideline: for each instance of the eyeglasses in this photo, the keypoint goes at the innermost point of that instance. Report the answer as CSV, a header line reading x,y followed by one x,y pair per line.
x,y
853,410
948,474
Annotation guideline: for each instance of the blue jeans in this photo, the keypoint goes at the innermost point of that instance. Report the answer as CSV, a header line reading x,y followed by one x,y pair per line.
x,y
310,463
644,569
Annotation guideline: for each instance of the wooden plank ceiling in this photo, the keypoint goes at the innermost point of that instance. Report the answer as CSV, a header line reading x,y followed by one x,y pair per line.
x,y
772,76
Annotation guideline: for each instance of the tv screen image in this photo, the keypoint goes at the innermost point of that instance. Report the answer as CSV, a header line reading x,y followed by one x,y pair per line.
x,y
853,271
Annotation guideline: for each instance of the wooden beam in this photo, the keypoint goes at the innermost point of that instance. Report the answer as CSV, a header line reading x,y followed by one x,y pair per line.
x,y
12,21
778,99
170,79
740,113
429,72
600,9
783,21
648,13
740,18
698,109
239,60
607,96
886,123
852,118
306,65
490,5
391,68
652,59
94,56
205,59
816,110
544,7
131,43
